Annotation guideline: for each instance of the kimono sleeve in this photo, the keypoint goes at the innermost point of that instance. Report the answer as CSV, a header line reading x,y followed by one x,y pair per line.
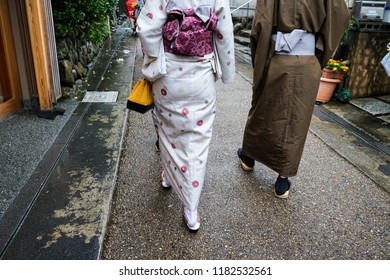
x,y
337,17
262,45
224,41
149,26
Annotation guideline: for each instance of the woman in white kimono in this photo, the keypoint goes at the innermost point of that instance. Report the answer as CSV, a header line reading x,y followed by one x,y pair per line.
x,y
185,96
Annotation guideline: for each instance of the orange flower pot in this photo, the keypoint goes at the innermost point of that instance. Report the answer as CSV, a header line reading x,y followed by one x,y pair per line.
x,y
329,74
326,89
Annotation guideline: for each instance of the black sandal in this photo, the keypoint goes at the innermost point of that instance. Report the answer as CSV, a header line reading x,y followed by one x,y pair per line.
x,y
246,163
282,187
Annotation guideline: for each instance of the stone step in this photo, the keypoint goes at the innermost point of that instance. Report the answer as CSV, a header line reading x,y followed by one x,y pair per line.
x,y
245,33
242,40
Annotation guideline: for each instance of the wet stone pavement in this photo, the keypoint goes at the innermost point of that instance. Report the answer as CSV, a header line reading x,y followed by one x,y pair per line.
x,y
334,210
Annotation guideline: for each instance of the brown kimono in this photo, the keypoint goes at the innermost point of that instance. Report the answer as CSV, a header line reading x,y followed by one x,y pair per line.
x,y
285,86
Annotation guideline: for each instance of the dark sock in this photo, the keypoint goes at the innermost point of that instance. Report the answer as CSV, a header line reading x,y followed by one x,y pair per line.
x,y
282,185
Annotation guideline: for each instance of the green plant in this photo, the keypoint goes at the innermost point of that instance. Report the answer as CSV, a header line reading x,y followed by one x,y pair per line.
x,y
344,96
88,18
337,66
353,25
342,51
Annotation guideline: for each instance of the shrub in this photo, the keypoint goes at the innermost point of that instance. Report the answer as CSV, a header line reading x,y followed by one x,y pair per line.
x,y
87,17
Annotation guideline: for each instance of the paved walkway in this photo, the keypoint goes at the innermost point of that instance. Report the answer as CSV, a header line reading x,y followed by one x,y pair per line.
x,y
102,199
335,211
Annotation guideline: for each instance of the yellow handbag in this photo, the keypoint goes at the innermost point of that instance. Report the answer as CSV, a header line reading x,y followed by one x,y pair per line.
x,y
141,97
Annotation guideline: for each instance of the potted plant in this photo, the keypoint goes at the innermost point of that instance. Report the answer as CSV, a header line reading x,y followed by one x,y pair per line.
x,y
335,69
331,76
326,89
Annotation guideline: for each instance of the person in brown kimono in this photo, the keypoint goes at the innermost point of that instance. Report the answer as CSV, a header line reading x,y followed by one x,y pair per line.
x,y
291,41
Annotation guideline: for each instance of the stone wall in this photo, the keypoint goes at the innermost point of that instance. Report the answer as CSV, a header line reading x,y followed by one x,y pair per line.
x,y
75,56
367,48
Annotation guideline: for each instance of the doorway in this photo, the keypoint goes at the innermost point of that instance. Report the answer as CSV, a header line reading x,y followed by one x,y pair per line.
x,y
10,92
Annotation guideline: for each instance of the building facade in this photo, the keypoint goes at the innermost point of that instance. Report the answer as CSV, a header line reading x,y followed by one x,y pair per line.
x,y
28,58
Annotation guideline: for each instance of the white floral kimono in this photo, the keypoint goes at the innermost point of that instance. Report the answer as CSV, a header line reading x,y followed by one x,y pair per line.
x,y
185,96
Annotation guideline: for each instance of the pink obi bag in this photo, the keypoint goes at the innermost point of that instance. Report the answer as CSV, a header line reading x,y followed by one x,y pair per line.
x,y
189,31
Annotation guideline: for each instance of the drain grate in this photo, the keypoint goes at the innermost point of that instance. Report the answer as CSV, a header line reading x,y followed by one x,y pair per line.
x,y
100,96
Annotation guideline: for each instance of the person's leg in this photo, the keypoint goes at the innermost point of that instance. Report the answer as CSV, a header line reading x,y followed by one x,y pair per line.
x,y
282,187
246,162
192,219
164,182
185,114
154,118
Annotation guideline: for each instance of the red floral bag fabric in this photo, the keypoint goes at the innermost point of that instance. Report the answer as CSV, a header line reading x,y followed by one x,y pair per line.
x,y
189,31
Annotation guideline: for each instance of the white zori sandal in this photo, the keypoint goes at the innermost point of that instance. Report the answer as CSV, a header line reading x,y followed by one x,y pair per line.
x,y
192,220
164,183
